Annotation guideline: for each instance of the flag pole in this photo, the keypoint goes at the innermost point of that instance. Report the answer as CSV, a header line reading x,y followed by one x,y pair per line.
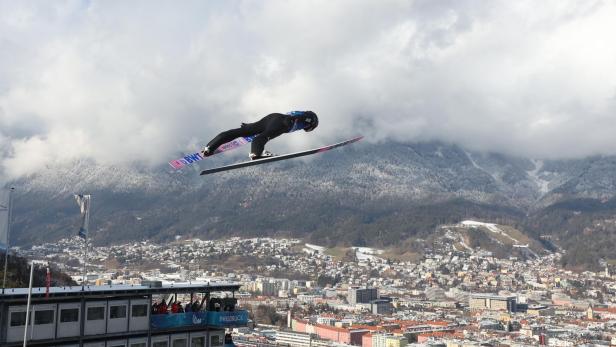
x,y
8,235
47,282
86,227
85,260
28,306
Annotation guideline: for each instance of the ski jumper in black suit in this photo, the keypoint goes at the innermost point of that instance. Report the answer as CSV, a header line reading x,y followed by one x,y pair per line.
x,y
269,127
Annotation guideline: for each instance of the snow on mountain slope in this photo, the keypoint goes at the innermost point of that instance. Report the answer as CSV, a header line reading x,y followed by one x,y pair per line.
x,y
417,172
363,183
539,180
504,241
490,226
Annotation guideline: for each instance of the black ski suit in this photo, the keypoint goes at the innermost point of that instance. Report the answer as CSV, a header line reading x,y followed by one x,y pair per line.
x,y
269,127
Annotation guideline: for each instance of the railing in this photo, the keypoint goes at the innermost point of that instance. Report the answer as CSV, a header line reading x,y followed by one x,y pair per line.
x,y
225,319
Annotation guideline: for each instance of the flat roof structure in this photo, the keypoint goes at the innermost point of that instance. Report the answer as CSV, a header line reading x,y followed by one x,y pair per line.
x,y
492,296
120,315
12,294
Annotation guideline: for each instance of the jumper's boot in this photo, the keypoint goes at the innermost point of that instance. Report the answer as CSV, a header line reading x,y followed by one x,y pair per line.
x,y
265,154
205,152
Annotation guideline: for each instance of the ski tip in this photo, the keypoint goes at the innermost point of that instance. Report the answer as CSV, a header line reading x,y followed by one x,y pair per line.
x,y
354,139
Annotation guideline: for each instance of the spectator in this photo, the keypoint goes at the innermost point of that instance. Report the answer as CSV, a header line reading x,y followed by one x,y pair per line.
x,y
195,306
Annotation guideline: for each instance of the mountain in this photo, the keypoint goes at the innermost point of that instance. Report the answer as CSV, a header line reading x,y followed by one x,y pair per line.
x,y
365,194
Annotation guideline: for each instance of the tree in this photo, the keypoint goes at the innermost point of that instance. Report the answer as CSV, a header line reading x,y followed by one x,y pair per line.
x,y
265,314
324,280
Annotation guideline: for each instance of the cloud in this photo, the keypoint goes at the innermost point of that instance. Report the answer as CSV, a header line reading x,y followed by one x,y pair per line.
x,y
141,81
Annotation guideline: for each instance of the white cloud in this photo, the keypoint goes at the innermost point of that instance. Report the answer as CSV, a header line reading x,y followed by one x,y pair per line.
x,y
118,81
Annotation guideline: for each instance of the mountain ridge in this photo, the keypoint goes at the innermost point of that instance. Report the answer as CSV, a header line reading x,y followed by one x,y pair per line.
x,y
365,194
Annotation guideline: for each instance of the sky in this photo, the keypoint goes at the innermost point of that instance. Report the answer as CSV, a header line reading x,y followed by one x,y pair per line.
x,y
141,81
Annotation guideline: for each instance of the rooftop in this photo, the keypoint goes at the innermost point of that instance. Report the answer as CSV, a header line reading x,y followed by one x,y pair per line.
x,y
122,290
492,296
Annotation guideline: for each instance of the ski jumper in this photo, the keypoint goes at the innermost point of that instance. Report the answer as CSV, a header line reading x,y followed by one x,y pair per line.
x,y
269,127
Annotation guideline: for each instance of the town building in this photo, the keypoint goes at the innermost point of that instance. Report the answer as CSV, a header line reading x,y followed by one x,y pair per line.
x,y
297,339
358,295
381,307
492,302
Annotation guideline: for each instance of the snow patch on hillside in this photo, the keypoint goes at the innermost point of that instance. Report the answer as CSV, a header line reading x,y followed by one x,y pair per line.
x,y
463,243
368,254
312,248
456,237
534,175
368,250
490,226
477,166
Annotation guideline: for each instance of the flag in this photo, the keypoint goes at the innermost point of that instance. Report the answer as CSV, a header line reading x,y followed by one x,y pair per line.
x,y
5,200
84,204
47,283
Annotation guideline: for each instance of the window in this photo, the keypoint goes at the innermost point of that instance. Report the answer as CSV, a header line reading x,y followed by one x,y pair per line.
x,y
137,344
68,315
118,345
96,313
18,319
159,344
197,342
117,312
140,310
43,317
179,343
215,341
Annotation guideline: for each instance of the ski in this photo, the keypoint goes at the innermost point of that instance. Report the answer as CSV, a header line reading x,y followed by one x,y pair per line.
x,y
280,157
195,157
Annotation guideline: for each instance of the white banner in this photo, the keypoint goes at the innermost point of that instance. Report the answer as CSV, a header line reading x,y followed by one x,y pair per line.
x,y
5,196
84,204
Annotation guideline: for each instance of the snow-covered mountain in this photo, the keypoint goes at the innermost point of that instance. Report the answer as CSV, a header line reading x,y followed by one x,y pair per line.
x,y
362,194
413,172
